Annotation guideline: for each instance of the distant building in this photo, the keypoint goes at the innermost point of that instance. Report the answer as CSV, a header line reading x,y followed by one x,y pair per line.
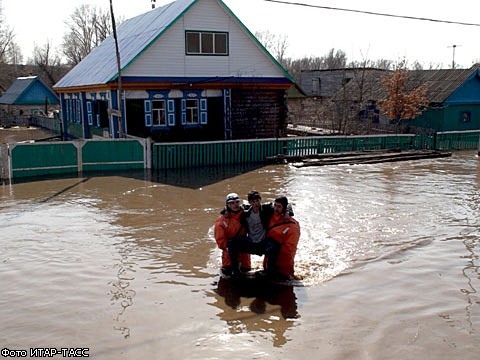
x,y
190,70
28,95
353,95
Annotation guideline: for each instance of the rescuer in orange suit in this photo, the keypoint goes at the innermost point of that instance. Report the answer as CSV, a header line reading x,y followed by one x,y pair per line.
x,y
227,227
286,232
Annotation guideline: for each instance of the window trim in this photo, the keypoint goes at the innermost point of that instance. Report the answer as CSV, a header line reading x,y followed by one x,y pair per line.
x,y
159,112
190,112
200,33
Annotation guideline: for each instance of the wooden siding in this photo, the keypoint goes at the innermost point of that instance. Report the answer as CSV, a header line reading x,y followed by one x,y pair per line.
x,y
258,114
166,57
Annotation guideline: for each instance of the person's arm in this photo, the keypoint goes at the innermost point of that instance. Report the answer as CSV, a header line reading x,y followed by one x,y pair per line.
x,y
219,233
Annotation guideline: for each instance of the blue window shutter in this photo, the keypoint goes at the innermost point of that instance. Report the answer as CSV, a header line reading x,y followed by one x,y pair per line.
x,y
171,119
203,117
171,112
184,112
203,105
148,119
171,106
147,106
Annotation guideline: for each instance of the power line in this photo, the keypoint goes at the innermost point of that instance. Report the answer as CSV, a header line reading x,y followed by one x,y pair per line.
x,y
373,13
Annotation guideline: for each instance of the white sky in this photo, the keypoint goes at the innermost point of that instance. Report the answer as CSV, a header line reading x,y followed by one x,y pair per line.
x,y
310,31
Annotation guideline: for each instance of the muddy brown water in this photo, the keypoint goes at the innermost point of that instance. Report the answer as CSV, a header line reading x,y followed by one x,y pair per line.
x,y
126,266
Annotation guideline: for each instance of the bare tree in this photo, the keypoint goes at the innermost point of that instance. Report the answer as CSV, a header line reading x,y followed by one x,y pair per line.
x,y
9,50
87,27
48,62
276,44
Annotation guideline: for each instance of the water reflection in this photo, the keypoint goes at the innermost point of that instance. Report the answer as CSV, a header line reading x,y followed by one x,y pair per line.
x,y
192,178
259,307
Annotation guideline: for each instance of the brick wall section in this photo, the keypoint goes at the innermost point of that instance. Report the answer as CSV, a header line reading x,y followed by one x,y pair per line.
x,y
309,111
258,114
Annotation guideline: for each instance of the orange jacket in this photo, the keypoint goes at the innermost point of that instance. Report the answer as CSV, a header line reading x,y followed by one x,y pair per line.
x,y
287,234
227,228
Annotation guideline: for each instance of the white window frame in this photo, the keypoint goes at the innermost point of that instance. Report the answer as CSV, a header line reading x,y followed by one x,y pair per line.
x,y
202,47
192,111
159,113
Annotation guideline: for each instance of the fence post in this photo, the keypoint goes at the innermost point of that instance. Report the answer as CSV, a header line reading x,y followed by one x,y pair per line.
x,y
5,169
79,145
478,148
148,153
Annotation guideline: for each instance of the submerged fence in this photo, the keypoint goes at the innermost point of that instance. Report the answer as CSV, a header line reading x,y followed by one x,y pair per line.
x,y
72,157
75,157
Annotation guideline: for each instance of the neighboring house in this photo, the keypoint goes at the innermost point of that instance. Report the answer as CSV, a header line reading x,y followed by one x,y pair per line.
x,y
346,86
453,96
27,96
190,70
347,100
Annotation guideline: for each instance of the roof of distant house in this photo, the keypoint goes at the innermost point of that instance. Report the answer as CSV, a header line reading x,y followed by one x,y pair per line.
x,y
29,90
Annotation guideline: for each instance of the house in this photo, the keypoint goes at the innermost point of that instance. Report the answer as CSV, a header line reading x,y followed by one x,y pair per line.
x,y
347,100
27,96
190,70
453,96
329,93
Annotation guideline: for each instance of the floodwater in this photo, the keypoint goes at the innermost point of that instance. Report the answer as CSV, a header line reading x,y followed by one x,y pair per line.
x,y
126,265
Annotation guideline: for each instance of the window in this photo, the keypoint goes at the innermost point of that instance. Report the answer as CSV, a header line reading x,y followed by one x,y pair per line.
x,y
465,116
206,43
316,86
159,117
192,111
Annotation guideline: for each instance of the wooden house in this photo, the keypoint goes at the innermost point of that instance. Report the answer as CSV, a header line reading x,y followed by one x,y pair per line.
x,y
350,98
27,96
190,70
453,96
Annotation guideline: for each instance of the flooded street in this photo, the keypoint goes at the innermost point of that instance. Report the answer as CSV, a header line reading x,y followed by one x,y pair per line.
x,y
127,266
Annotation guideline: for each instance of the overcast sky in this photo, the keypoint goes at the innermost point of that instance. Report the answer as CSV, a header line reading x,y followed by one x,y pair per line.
x,y
310,31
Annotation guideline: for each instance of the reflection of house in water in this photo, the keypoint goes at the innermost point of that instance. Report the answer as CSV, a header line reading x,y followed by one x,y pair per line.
x,y
250,306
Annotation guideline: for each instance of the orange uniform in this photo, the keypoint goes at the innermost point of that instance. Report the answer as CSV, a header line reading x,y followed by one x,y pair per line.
x,y
287,234
227,228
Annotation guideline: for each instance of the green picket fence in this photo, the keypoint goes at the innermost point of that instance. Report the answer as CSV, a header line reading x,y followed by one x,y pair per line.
x,y
70,157
183,155
458,140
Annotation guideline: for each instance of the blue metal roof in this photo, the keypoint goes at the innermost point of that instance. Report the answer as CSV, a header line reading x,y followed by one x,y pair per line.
x,y
134,37
30,90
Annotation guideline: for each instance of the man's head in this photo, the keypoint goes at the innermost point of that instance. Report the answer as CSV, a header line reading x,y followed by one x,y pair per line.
x,y
280,205
254,199
233,202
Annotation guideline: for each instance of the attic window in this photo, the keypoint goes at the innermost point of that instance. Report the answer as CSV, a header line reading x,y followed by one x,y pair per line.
x,y
206,43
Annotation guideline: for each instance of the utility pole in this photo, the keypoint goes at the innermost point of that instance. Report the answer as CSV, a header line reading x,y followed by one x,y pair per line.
x,y
453,59
119,68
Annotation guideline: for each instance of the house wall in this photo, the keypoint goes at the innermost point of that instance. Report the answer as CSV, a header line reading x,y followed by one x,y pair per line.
x,y
167,57
258,114
458,117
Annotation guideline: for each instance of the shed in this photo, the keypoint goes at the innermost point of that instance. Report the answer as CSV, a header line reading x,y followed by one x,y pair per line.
x,y
190,70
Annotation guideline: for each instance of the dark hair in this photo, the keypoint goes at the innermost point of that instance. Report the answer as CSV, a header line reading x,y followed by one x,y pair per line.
x,y
253,195
283,201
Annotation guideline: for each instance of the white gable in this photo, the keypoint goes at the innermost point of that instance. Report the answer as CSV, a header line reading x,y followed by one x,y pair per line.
x,y
166,56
